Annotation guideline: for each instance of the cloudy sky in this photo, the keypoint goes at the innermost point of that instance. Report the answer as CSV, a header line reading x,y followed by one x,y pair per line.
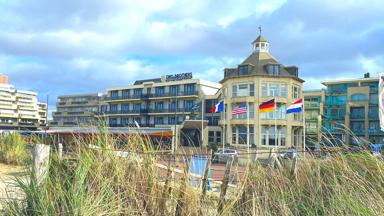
x,y
65,47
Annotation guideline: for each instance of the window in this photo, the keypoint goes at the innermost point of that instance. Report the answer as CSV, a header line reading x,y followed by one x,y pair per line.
x,y
242,133
234,90
137,119
174,90
358,97
251,110
280,112
159,106
234,135
295,91
263,135
264,90
211,136
218,136
251,89
189,89
172,120
357,112
113,108
114,94
126,94
273,69
188,104
282,135
358,126
373,112
374,99
283,90
273,90
159,120
113,122
272,138
243,90
138,92
173,105
137,107
160,91
124,122
243,70
125,108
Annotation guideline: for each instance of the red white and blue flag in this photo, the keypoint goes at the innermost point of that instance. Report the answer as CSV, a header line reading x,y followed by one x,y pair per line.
x,y
218,108
296,107
241,109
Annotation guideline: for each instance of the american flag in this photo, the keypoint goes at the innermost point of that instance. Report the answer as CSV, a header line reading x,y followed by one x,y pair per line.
x,y
241,109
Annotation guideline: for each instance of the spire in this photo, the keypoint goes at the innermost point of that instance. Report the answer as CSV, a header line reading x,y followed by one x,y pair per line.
x,y
261,44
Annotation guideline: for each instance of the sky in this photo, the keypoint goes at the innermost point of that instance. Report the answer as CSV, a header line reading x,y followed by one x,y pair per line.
x,y
78,46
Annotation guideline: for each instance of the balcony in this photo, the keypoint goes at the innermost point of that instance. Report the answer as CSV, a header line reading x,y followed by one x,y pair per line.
x,y
312,105
154,96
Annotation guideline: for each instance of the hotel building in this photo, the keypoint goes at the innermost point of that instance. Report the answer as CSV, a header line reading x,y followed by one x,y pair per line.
x,y
162,102
259,78
19,110
77,110
352,104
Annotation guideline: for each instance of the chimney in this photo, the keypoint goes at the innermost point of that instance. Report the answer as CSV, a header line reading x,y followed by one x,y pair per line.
x,y
3,79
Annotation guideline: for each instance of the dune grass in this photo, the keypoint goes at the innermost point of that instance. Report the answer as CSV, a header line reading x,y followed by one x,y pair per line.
x,y
13,149
97,182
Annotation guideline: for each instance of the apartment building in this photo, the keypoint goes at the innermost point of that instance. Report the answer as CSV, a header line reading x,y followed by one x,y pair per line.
x,y
314,101
352,104
259,78
43,107
19,109
77,110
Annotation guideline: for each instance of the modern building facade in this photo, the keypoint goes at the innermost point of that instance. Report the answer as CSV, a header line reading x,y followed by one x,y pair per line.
x,y
352,104
260,78
43,107
19,109
77,110
314,101
162,102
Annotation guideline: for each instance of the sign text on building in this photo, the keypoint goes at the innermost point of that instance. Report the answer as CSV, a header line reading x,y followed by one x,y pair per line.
x,y
181,76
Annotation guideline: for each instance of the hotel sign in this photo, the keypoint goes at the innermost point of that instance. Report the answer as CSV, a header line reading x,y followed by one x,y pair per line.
x,y
181,76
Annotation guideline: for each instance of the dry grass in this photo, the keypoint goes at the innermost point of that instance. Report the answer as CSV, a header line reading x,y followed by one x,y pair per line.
x,y
96,182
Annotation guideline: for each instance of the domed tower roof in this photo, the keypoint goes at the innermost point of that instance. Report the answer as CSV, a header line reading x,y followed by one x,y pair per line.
x,y
261,38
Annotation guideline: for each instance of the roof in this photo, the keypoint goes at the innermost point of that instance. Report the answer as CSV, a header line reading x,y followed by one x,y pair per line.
x,y
371,79
258,62
261,38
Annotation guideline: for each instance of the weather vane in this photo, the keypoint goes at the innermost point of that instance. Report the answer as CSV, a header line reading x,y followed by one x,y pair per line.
x,y
260,29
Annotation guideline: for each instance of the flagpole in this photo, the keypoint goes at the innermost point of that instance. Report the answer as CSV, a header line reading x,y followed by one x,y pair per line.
x,y
304,125
248,129
202,122
224,125
275,122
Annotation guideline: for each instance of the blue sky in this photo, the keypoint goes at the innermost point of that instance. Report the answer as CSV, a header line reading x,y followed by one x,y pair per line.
x,y
67,47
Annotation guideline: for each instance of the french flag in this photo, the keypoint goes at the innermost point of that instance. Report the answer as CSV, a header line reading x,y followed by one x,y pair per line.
x,y
218,108
295,107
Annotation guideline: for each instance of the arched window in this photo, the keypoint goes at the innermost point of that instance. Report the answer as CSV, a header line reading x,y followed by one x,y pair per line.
x,y
358,97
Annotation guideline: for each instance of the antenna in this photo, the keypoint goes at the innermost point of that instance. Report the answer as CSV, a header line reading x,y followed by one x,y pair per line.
x,y
260,30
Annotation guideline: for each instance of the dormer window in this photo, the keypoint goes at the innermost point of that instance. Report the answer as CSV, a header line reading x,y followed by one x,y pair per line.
x,y
243,70
273,69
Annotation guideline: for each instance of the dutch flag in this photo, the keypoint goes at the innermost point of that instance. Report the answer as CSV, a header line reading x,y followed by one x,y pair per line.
x,y
296,107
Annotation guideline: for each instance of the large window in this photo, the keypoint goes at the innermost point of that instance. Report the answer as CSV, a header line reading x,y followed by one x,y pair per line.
x,y
188,104
160,91
273,69
271,136
242,90
373,112
189,89
357,112
124,121
113,108
137,107
358,97
125,108
240,135
126,93
264,135
114,94
374,99
273,90
173,106
283,90
159,106
243,70
264,89
174,90
138,92
159,120
358,126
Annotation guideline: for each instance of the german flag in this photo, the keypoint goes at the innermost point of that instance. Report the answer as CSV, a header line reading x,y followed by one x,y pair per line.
x,y
268,106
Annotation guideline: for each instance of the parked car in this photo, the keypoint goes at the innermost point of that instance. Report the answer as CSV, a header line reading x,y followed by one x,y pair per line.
x,y
221,156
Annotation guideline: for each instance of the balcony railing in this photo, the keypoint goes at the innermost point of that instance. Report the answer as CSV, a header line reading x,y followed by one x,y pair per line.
x,y
155,95
144,111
